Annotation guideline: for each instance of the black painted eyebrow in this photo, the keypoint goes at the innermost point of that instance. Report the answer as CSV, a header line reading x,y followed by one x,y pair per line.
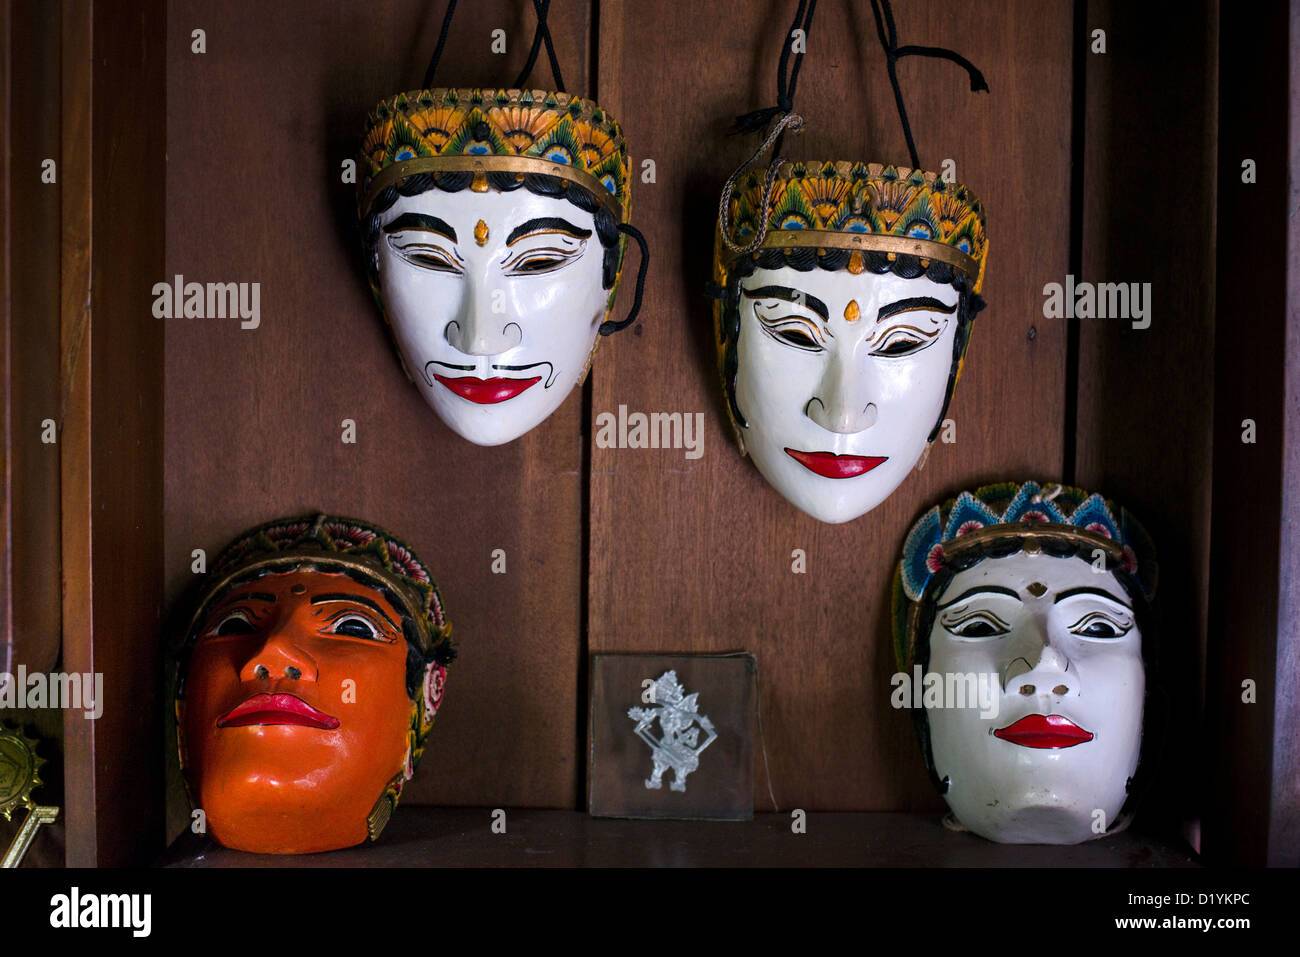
x,y
996,589
917,302
421,221
1086,590
546,222
359,599
790,295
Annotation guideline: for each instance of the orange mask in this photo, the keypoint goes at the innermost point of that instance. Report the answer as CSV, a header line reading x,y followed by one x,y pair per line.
x,y
297,726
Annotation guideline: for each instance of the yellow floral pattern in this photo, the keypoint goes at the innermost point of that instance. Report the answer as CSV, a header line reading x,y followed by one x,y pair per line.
x,y
562,129
860,198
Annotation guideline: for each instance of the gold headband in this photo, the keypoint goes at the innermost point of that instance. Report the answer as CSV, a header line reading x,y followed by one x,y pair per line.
x,y
863,242
1031,535
492,164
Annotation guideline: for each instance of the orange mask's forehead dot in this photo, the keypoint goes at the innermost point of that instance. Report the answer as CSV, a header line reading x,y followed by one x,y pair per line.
x,y
481,232
851,311
856,264
299,589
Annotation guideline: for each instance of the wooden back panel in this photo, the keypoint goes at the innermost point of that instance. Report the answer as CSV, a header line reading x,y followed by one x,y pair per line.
x,y
1144,397
258,128
625,550
697,555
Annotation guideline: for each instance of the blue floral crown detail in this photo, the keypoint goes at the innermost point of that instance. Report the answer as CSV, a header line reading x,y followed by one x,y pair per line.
x,y
1009,510
1054,508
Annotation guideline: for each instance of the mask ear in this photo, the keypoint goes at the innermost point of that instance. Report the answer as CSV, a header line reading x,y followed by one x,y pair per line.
x,y
423,712
435,679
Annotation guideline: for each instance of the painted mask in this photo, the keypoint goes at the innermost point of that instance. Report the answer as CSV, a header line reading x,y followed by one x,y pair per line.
x,y
313,669
1019,626
841,333
493,224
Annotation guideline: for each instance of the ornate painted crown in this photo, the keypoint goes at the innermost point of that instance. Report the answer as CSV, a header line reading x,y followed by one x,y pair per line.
x,y
1011,510
330,541
863,207
492,130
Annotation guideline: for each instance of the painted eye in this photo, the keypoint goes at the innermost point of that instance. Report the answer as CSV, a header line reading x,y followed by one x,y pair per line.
x,y
980,624
793,333
1099,626
905,342
900,346
354,626
235,623
435,263
424,256
536,264
544,259
797,338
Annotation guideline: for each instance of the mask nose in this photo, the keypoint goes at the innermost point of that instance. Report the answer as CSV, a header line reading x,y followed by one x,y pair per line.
x,y
279,659
842,402
477,330
1049,674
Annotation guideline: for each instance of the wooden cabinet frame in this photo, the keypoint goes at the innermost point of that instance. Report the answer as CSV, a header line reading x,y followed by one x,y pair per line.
x,y
1229,277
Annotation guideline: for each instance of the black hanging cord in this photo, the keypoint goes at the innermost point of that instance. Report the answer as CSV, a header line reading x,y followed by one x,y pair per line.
x,y
785,91
550,55
893,53
543,35
442,42
608,327
540,35
787,79
543,32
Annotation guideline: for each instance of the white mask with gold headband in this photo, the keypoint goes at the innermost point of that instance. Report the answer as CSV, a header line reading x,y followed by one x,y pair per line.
x,y
493,223
845,294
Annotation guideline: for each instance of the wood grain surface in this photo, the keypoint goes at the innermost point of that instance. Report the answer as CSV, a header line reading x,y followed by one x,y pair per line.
x,y
696,555
30,58
111,487
29,356
1252,812
257,130
1143,429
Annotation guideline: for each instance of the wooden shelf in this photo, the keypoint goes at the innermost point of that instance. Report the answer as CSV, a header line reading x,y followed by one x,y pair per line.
x,y
462,837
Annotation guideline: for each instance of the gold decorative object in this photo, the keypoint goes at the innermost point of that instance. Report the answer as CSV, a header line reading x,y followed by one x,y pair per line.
x,y
19,776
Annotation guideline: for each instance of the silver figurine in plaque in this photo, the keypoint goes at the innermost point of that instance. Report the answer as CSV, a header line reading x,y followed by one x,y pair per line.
x,y
680,723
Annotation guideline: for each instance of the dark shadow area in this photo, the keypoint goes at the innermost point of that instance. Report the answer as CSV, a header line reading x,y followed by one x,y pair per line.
x,y
1142,427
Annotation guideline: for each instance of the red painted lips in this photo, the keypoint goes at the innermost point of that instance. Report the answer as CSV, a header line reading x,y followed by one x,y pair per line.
x,y
830,465
277,709
1044,731
487,391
